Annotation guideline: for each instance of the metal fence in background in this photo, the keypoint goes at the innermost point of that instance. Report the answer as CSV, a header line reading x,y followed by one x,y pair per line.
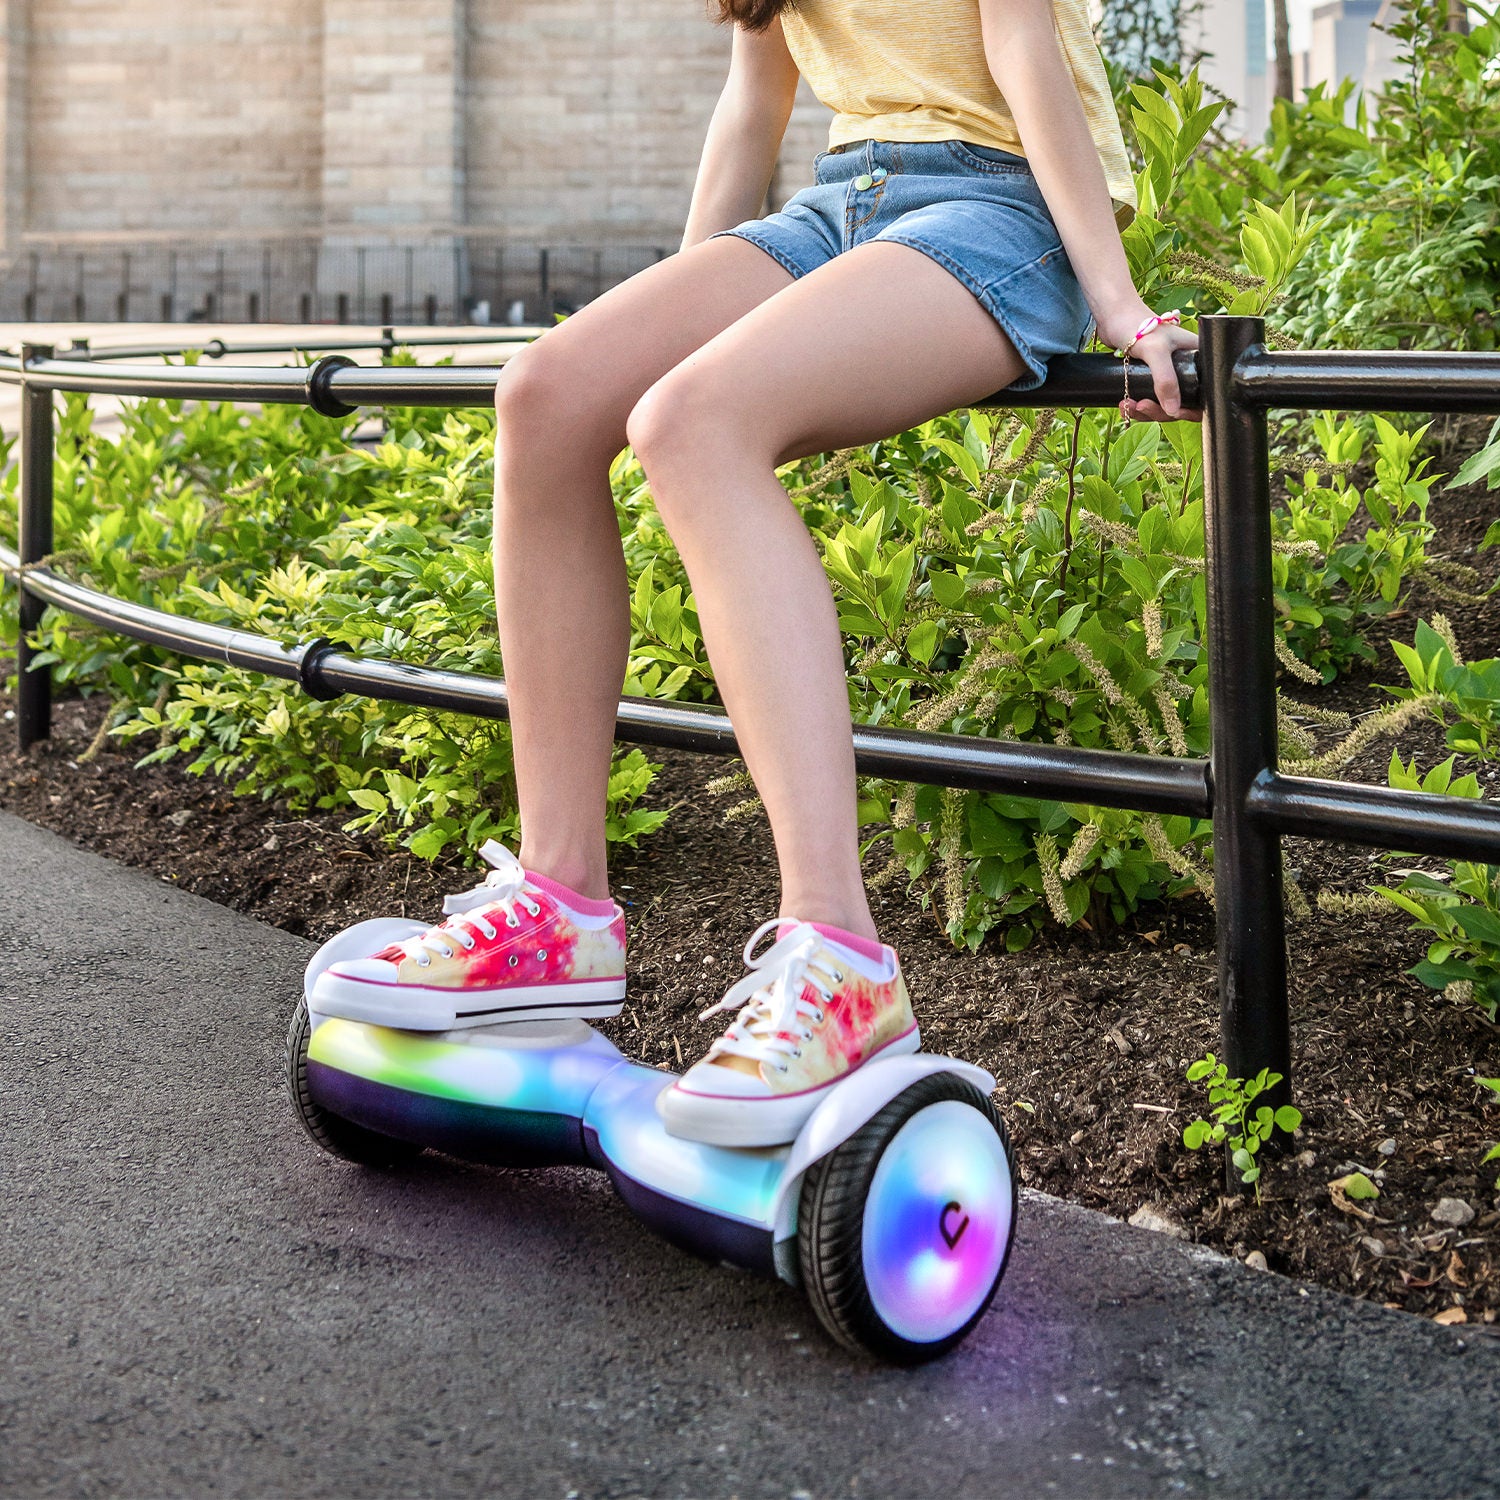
x,y
458,280
1233,376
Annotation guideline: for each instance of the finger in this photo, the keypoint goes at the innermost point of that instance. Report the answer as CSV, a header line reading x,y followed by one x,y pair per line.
x,y
1164,383
1151,411
1185,414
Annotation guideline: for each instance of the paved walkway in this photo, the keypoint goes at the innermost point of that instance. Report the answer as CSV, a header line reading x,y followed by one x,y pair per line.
x,y
194,1302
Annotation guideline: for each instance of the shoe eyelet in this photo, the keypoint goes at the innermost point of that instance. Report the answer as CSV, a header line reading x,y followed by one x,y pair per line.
x,y
424,962
468,945
488,931
512,921
541,954
781,1067
819,1018
796,1052
533,908
838,975
514,960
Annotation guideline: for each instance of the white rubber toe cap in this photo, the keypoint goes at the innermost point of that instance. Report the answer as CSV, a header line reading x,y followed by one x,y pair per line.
x,y
377,970
716,1080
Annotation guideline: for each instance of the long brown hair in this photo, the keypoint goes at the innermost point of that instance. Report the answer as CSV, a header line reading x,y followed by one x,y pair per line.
x,y
753,15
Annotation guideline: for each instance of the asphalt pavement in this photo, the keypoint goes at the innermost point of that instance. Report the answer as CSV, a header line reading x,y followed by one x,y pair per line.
x,y
194,1302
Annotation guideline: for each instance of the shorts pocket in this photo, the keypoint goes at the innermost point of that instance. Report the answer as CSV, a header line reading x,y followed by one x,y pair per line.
x,y
988,158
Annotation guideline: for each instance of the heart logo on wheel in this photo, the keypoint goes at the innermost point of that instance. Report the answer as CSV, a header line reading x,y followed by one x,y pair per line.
x,y
952,1236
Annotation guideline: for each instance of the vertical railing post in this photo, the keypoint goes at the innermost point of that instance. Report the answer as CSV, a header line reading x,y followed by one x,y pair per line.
x,y
33,684
1242,714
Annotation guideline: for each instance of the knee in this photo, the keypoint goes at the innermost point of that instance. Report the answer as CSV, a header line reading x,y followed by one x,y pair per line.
x,y
678,418
530,394
555,429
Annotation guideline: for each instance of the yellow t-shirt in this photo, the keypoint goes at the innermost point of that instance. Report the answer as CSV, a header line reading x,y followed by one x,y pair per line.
x,y
894,71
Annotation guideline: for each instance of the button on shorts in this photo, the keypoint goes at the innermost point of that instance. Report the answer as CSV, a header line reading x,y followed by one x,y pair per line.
x,y
976,210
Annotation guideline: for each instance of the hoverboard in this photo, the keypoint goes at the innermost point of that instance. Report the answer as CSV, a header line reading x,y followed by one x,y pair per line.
x,y
893,1209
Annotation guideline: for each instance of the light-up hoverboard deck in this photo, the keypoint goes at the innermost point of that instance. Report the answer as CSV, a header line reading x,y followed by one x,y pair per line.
x,y
893,1209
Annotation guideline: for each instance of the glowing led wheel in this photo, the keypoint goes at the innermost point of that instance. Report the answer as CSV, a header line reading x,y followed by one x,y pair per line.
x,y
905,1229
336,1136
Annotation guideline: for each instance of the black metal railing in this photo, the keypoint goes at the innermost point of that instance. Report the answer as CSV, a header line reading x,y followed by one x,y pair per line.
x,y
1233,377
388,341
472,277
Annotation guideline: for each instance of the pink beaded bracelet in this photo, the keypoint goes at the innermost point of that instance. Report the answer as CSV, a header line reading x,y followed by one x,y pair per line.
x,y
1155,320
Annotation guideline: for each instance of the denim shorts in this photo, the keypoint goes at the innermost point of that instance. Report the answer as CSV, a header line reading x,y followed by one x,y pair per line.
x,y
976,210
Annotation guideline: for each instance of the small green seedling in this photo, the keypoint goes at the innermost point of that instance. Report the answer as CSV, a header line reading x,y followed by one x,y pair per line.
x,y
1493,1154
1233,1119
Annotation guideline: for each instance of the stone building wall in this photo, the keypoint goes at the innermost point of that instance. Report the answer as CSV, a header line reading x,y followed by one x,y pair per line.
x,y
150,116
338,123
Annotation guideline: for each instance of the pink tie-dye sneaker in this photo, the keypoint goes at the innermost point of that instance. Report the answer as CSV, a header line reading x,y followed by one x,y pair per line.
x,y
518,947
812,1009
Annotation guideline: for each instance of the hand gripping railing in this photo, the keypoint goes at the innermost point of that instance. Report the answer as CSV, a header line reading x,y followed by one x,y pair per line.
x,y
1233,377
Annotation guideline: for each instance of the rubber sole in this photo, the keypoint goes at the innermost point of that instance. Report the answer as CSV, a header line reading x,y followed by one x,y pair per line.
x,y
413,1008
723,1120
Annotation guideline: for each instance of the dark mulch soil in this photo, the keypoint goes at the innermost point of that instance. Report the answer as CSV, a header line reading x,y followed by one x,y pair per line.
x,y
1088,1035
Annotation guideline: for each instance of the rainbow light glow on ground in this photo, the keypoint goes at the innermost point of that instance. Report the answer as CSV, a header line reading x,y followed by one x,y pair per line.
x,y
943,1178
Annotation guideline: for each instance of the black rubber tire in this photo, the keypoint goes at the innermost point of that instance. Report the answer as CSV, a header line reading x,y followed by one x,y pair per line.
x,y
830,1226
338,1137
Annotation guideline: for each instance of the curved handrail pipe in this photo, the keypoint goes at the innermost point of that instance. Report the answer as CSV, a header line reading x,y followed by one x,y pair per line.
x,y
1065,773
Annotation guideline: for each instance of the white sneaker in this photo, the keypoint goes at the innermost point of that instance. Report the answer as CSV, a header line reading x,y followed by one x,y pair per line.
x,y
812,1011
510,950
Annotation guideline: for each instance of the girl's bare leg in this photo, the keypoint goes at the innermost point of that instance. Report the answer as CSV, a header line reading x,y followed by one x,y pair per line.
x,y
561,595
875,341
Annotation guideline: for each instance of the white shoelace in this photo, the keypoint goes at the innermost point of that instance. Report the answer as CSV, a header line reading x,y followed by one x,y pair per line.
x,y
776,1004
501,886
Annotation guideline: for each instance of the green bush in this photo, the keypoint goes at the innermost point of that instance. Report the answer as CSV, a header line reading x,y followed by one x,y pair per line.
x,y
270,521
1459,907
1346,556
1406,196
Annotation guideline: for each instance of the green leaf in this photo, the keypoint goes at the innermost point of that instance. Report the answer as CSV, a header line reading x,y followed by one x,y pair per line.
x,y
1440,976
431,841
1067,623
947,588
1485,465
1479,925
967,464
1359,1187
923,641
